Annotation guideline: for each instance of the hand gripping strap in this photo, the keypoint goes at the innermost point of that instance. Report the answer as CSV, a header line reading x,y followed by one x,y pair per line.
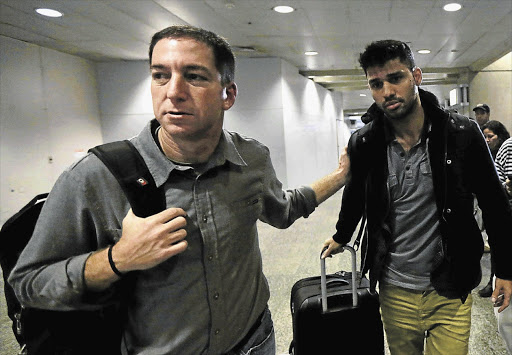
x,y
127,165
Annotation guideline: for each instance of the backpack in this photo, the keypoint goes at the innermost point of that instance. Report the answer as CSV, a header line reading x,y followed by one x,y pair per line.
x,y
43,332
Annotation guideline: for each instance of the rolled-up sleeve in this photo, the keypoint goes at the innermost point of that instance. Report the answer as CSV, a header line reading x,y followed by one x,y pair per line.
x,y
282,207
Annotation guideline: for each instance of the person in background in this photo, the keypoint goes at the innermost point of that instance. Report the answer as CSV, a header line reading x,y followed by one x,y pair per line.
x,y
414,170
196,267
495,134
482,114
503,163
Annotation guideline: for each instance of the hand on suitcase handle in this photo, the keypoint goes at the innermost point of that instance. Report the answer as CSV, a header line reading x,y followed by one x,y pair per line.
x,y
323,277
330,248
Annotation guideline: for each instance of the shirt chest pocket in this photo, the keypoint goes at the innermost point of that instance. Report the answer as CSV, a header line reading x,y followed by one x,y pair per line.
x,y
425,168
237,216
246,210
392,181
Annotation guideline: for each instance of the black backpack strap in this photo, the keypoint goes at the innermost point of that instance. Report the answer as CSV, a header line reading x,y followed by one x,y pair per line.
x,y
127,165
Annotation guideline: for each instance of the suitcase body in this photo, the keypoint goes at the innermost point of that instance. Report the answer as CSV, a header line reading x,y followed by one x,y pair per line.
x,y
321,327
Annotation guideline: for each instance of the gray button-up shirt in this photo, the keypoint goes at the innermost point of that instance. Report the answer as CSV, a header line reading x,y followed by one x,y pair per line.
x,y
201,301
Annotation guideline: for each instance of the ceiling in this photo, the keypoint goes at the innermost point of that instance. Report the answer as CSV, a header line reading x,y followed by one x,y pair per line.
x,y
105,30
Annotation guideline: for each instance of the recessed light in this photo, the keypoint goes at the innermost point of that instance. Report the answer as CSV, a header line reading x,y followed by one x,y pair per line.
x,y
424,51
283,9
452,7
362,95
49,12
311,53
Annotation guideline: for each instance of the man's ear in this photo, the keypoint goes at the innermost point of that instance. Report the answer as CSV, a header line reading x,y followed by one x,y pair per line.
x,y
417,75
230,91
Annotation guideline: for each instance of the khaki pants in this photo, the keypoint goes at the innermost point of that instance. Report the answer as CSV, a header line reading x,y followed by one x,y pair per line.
x,y
419,322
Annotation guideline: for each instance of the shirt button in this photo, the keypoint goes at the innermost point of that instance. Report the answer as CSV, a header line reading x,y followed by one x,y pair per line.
x,y
205,219
216,296
210,258
448,162
448,210
217,332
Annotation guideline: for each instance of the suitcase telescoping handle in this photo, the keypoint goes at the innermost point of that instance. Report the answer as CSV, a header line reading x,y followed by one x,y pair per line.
x,y
323,279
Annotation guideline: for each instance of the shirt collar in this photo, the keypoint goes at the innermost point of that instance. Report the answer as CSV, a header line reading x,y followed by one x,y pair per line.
x,y
227,152
390,136
161,167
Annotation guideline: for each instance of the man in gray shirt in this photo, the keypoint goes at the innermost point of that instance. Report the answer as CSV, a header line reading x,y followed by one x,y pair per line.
x,y
198,285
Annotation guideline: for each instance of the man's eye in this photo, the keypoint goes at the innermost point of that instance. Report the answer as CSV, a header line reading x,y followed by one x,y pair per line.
x,y
376,85
159,78
395,79
196,77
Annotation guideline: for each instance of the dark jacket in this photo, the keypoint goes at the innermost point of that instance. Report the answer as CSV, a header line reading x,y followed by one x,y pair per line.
x,y
462,168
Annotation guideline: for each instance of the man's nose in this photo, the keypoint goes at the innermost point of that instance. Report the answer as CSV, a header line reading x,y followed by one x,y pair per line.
x,y
176,88
388,89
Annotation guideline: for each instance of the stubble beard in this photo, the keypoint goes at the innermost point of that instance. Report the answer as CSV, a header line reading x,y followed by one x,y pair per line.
x,y
404,111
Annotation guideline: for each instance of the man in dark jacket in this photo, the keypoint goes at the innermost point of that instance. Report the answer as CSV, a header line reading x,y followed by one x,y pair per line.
x,y
418,168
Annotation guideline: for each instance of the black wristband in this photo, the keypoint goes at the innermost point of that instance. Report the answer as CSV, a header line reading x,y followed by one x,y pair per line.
x,y
111,262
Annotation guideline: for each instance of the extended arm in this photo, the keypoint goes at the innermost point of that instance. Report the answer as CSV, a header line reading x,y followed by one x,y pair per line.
x,y
331,183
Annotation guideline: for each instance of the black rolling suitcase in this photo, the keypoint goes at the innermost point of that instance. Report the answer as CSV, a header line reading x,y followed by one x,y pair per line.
x,y
328,314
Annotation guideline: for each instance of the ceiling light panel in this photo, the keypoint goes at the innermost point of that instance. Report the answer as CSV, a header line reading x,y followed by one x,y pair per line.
x,y
283,9
452,7
49,12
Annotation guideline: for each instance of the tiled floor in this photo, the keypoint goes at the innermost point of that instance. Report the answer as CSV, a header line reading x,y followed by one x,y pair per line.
x,y
292,254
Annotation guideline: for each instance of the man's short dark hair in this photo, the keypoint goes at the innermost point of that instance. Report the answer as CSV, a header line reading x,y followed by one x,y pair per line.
x,y
224,57
379,52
